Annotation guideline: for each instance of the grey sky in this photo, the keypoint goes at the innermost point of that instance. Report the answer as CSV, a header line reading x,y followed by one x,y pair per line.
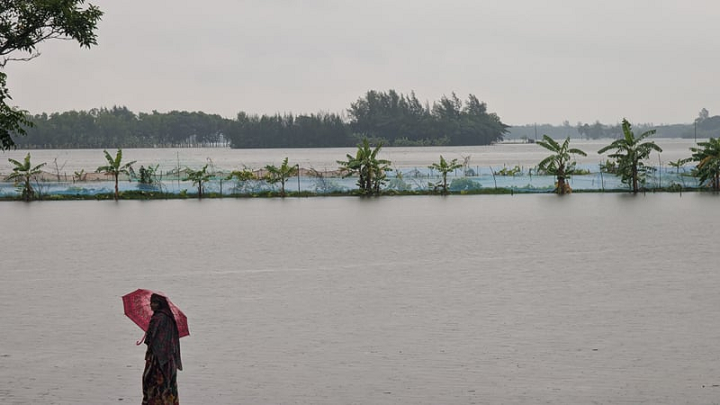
x,y
531,61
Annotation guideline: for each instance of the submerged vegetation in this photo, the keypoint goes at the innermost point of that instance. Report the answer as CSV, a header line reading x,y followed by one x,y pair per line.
x,y
627,166
560,163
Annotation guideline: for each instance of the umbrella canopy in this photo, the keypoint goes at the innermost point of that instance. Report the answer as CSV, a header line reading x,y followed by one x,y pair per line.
x,y
137,308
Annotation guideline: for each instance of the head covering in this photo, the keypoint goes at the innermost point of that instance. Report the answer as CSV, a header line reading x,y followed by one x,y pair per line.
x,y
162,301
162,336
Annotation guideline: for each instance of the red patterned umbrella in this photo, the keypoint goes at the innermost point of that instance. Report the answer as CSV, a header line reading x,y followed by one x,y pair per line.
x,y
137,308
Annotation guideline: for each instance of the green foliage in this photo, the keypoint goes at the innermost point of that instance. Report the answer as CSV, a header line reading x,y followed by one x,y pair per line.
x,y
560,163
403,120
80,176
382,118
464,184
148,175
371,171
609,167
22,173
245,180
12,120
198,178
280,174
630,152
444,167
511,171
118,126
115,168
707,156
23,25
679,164
287,131
674,187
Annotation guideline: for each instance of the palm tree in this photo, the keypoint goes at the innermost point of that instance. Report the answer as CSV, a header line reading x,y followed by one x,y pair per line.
x,y
24,172
559,164
280,174
629,154
444,168
371,171
707,154
115,168
198,177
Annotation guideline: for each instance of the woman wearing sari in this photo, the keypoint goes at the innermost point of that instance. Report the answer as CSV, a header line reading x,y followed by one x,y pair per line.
x,y
162,359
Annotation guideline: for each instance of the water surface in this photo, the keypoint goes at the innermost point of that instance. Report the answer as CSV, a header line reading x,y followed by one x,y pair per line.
x,y
525,299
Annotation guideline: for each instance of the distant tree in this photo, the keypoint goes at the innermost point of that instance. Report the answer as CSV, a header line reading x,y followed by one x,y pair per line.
x,y
444,167
702,116
280,174
707,156
594,131
199,178
24,172
115,168
630,152
560,163
397,119
23,25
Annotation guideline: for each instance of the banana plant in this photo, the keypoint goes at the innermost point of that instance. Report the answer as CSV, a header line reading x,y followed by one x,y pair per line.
x,y
115,168
23,173
630,152
280,174
371,171
560,163
445,167
707,156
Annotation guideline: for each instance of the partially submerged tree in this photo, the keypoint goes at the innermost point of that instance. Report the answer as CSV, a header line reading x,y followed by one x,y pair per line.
x,y
23,25
445,167
630,152
115,168
371,171
23,173
560,163
148,175
280,174
707,156
199,178
244,179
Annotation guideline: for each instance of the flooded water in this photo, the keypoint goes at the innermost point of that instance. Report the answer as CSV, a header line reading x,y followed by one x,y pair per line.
x,y
408,161
525,299
67,161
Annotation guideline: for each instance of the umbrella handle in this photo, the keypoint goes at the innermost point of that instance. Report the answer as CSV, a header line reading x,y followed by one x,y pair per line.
x,y
139,342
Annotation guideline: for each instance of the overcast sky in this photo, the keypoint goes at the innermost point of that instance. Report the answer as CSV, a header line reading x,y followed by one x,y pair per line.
x,y
531,61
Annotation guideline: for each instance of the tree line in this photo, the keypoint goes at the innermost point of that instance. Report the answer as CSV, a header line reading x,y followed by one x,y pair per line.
x,y
627,161
388,117
704,126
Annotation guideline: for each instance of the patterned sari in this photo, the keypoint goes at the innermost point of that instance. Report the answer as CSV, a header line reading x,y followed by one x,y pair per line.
x,y
162,360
